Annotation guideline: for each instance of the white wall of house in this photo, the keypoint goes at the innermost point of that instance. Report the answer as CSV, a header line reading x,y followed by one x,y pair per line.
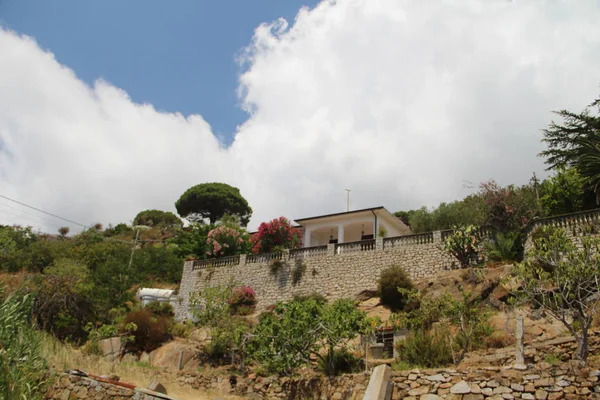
x,y
350,227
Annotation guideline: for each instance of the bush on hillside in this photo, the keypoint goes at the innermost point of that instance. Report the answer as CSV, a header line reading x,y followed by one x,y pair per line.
x,y
242,301
392,279
160,308
23,369
147,331
505,247
425,349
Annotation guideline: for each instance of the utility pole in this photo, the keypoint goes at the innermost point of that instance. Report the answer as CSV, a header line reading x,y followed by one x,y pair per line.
x,y
137,234
347,200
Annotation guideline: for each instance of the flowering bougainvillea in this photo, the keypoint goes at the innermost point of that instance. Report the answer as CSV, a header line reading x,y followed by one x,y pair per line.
x,y
508,208
275,235
242,300
226,241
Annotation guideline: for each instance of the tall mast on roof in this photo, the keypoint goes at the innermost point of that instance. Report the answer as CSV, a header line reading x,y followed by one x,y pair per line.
x,y
347,200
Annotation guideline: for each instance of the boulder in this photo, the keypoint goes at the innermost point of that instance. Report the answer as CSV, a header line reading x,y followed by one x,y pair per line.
x,y
111,346
156,386
173,355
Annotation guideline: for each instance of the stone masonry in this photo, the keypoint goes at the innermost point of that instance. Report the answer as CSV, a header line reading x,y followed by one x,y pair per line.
x,y
345,270
332,275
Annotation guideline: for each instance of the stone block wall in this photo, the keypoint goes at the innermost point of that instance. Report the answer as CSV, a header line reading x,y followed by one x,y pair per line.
x,y
339,274
492,383
332,275
72,387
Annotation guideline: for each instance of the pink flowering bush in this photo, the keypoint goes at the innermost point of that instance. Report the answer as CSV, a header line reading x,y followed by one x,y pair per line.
x,y
275,235
226,241
242,301
510,208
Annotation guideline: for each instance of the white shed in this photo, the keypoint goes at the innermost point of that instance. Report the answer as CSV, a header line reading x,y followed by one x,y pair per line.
x,y
146,295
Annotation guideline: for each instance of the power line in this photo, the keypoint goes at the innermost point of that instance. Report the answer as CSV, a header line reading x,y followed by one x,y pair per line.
x,y
45,212
22,212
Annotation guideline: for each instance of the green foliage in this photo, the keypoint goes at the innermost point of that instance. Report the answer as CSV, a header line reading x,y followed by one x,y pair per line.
x,y
211,305
574,143
342,362
64,303
191,241
212,201
562,279
212,309
148,331
242,301
285,338
468,211
157,218
563,193
63,231
462,323
505,247
160,308
23,370
510,208
425,349
464,244
389,282
318,297
182,330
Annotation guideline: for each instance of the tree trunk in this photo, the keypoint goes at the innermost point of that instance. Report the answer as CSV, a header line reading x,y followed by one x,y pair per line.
x,y
582,347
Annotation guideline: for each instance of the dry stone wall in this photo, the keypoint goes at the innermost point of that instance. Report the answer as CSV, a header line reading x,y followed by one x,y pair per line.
x,y
72,387
545,382
332,275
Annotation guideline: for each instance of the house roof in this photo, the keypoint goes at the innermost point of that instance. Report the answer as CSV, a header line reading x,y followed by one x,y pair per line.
x,y
299,221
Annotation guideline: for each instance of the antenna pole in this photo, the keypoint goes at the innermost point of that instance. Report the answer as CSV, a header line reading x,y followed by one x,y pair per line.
x,y
347,200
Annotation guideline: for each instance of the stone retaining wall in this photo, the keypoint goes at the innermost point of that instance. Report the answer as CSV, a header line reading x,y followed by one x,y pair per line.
x,y
72,387
493,383
334,276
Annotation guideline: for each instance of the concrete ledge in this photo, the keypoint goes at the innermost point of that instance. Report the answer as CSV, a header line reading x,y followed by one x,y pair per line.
x,y
380,385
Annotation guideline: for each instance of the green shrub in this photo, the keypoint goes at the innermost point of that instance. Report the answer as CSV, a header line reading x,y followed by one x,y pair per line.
x,y
148,332
160,308
242,301
318,297
23,370
425,349
464,244
343,363
182,330
505,247
391,280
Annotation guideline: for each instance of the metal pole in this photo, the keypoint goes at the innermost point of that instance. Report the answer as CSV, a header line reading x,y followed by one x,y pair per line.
x,y
347,200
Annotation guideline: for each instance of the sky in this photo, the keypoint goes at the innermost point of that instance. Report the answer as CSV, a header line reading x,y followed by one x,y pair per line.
x,y
109,108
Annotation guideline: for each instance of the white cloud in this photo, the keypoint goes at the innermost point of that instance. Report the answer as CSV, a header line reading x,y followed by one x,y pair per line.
x,y
400,101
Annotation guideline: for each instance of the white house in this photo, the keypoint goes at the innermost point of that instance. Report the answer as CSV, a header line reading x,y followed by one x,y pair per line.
x,y
350,226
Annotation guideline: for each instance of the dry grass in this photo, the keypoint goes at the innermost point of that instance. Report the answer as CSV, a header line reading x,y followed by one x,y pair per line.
x,y
64,357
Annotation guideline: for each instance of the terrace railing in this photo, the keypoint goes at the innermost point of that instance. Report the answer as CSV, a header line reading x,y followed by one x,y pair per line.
x,y
397,241
355,247
216,262
308,252
263,258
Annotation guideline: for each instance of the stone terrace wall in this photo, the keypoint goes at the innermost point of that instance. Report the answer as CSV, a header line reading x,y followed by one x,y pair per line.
x,y
72,387
576,225
545,382
329,271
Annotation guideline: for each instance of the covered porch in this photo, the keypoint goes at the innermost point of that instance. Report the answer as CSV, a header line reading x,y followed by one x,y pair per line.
x,y
352,226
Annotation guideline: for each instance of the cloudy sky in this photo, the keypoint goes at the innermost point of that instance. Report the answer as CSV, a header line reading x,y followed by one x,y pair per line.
x,y
110,111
